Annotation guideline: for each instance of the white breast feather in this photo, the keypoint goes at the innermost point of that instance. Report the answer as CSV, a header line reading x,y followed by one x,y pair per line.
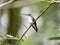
x,y
30,19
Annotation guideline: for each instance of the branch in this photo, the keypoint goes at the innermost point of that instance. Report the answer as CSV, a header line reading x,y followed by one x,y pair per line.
x,y
29,2
1,5
35,21
21,3
44,11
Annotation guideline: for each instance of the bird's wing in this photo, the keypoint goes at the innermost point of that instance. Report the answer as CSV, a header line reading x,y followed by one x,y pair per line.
x,y
34,25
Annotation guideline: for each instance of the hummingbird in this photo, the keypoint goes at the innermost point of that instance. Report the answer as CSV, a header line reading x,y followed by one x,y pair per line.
x,y
32,20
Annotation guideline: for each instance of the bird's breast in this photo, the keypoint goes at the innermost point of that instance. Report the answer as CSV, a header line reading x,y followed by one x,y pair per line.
x,y
30,19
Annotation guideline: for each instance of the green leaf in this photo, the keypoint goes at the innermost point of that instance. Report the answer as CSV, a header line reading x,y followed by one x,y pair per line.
x,y
54,38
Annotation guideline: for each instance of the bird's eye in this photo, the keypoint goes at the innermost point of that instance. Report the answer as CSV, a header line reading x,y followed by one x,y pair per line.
x,y
29,14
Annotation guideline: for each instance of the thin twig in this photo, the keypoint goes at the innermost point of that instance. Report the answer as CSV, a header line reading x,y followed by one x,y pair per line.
x,y
44,11
6,3
33,22
25,26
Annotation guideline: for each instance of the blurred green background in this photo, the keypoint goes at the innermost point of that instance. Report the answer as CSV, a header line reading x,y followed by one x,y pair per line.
x,y
12,22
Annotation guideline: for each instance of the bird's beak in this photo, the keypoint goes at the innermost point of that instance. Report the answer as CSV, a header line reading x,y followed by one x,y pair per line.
x,y
25,14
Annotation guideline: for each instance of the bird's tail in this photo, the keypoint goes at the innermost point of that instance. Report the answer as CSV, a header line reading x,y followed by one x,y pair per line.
x,y
35,27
